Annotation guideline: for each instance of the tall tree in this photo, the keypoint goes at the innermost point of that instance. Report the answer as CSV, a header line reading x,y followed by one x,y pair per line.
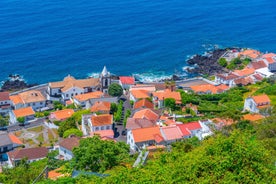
x,y
115,90
98,155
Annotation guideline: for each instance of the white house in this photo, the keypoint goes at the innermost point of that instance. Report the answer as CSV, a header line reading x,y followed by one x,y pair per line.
x,y
66,147
27,113
8,142
82,99
5,102
160,96
69,87
227,79
256,104
100,122
32,98
142,137
32,155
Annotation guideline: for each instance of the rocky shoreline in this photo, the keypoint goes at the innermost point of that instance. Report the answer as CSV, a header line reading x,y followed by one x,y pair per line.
x,y
15,83
207,64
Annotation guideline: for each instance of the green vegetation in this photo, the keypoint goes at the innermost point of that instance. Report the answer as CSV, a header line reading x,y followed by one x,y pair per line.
x,y
222,62
96,155
127,115
4,121
42,114
72,131
115,90
21,120
58,105
118,114
237,63
170,103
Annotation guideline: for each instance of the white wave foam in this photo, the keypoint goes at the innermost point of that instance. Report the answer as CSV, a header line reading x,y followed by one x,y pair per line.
x,y
151,77
94,75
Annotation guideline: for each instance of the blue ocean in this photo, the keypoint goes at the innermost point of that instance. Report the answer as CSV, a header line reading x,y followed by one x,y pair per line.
x,y
45,40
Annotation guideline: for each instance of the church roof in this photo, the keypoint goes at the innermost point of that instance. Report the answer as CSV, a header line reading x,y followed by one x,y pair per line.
x,y
104,72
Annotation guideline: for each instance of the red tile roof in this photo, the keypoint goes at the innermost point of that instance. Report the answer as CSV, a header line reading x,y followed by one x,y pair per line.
x,y
62,114
193,125
260,99
101,120
171,132
161,95
143,103
134,123
258,65
253,117
184,130
104,133
229,76
101,106
87,96
70,143
244,72
270,60
250,53
14,139
30,153
140,94
147,134
4,96
127,80
146,114
23,112
204,88
268,55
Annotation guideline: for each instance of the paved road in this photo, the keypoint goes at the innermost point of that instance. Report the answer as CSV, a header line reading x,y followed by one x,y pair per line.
x,y
37,122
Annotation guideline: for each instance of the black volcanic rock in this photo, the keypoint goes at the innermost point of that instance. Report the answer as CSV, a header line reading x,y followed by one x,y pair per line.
x,y
207,64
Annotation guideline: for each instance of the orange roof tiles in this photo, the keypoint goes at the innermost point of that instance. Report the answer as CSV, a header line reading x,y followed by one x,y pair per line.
x,y
244,72
101,120
253,117
204,88
104,133
28,97
14,139
268,55
70,82
147,134
146,114
127,80
140,94
260,99
147,87
171,132
55,174
168,94
270,60
144,103
250,53
62,114
16,99
258,65
87,96
101,106
23,112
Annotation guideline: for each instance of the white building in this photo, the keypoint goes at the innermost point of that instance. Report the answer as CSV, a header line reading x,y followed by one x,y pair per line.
x,y
255,104
32,98
66,147
31,154
69,87
27,113
5,103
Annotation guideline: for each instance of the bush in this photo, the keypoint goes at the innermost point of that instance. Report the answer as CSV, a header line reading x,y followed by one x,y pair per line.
x,y
222,62
72,131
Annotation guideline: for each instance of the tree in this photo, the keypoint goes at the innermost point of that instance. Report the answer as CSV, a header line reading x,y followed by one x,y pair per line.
x,y
72,131
58,105
3,121
115,90
170,103
66,125
98,155
222,62
21,120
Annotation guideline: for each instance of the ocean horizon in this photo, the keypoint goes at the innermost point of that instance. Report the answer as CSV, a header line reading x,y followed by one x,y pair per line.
x,y
46,40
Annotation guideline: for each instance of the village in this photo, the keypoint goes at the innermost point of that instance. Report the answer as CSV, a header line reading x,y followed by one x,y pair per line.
x,y
146,116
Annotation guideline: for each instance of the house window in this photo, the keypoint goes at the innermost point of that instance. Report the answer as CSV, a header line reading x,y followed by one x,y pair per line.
x,y
33,103
76,93
102,128
67,95
6,102
74,89
107,128
97,128
72,94
41,103
1,102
